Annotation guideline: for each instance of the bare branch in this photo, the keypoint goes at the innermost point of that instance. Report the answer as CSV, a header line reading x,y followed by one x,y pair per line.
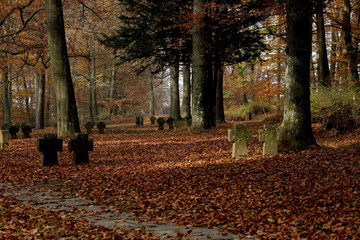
x,y
90,9
24,24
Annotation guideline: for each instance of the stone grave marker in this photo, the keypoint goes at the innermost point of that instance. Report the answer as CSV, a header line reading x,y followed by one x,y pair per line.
x,y
161,122
170,122
13,130
89,126
49,145
26,130
153,120
4,139
81,146
239,135
139,121
178,124
269,136
101,126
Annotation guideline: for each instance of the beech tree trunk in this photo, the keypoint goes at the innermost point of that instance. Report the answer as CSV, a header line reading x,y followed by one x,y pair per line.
x,y
67,115
174,92
151,93
350,51
40,100
201,114
112,84
7,102
323,63
185,108
296,125
219,112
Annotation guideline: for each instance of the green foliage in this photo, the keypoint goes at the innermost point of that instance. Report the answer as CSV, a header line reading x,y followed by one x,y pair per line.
x,y
335,108
246,112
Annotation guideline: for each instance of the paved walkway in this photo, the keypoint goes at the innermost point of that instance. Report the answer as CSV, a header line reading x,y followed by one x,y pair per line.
x,y
106,216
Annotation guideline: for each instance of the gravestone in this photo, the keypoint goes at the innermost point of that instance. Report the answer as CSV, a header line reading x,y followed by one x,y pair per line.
x,y
161,122
269,136
49,145
4,139
81,146
170,122
139,121
13,130
178,124
153,120
26,130
89,126
101,126
239,135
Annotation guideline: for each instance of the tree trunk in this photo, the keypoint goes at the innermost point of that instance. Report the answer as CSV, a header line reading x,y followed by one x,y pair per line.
x,y
334,40
350,52
40,100
174,92
90,87
112,84
151,93
93,79
296,125
67,116
201,117
323,63
7,102
185,108
220,115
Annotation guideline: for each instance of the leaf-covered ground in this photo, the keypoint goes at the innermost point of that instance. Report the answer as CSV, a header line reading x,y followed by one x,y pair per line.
x,y
190,178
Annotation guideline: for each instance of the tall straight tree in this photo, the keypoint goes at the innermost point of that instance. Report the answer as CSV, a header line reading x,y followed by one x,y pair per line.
x,y
296,125
174,91
201,117
67,115
351,53
323,62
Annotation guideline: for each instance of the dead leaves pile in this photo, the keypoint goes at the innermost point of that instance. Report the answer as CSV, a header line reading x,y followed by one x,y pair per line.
x,y
190,178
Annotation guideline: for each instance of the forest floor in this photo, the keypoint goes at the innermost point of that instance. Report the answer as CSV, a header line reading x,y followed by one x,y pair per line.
x,y
190,178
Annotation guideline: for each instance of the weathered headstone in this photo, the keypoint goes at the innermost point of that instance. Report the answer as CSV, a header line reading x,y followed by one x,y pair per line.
x,y
81,146
170,122
13,130
153,120
139,121
89,126
4,139
178,124
269,136
49,145
161,122
101,127
239,135
26,130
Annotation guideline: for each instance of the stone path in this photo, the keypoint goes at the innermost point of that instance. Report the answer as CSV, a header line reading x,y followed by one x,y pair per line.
x,y
106,216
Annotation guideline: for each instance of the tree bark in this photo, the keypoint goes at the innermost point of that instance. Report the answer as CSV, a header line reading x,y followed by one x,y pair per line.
x,y
220,115
350,52
90,86
185,108
67,115
333,59
323,63
201,114
296,125
40,101
7,102
112,84
151,93
174,92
